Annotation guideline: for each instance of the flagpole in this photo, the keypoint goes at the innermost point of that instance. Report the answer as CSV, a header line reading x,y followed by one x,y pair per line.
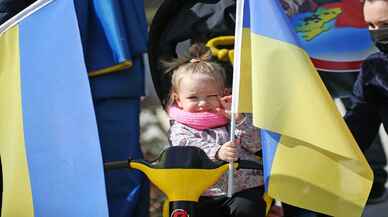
x,y
236,87
23,14
236,84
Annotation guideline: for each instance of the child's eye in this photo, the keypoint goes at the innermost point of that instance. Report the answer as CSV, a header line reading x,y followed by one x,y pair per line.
x,y
371,26
212,96
192,98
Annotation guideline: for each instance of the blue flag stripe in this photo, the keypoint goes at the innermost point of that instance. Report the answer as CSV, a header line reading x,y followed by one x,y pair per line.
x,y
275,28
270,141
246,15
61,137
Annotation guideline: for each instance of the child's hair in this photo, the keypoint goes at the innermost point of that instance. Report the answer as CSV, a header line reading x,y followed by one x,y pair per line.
x,y
198,61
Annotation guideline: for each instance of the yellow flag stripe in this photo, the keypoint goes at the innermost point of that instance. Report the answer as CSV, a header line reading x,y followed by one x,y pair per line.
x,y
245,93
17,198
334,187
290,98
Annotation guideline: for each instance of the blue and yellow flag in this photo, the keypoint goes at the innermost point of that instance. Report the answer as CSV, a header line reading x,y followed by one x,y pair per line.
x,y
311,158
49,145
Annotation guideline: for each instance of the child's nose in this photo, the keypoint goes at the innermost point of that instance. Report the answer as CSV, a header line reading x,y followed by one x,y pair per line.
x,y
202,102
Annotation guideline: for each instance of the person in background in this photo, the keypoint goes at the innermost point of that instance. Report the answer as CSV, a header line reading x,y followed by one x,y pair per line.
x,y
370,92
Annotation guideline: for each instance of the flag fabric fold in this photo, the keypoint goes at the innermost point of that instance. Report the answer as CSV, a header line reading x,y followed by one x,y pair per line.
x,y
49,146
311,158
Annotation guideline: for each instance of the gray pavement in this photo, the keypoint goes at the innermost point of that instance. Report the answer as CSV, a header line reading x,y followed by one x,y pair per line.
x,y
378,209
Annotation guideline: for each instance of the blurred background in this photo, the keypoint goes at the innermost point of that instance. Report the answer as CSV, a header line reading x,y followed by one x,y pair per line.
x,y
153,125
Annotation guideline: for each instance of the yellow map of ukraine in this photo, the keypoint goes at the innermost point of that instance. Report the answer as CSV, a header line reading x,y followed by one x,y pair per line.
x,y
312,26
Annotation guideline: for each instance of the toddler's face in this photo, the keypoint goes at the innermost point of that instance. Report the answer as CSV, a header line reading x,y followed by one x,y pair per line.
x,y
198,93
376,14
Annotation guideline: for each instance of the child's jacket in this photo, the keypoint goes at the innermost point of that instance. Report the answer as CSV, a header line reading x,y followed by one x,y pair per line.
x,y
210,140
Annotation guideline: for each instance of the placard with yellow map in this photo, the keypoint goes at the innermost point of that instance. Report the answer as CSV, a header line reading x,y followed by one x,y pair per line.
x,y
333,33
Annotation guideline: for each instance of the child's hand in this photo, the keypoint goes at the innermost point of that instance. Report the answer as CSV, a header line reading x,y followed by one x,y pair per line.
x,y
228,151
276,211
226,103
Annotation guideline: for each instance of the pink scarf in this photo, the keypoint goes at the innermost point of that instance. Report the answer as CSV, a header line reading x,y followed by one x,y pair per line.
x,y
197,120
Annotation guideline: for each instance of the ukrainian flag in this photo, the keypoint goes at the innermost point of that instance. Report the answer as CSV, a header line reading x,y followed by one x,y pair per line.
x,y
311,158
49,144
